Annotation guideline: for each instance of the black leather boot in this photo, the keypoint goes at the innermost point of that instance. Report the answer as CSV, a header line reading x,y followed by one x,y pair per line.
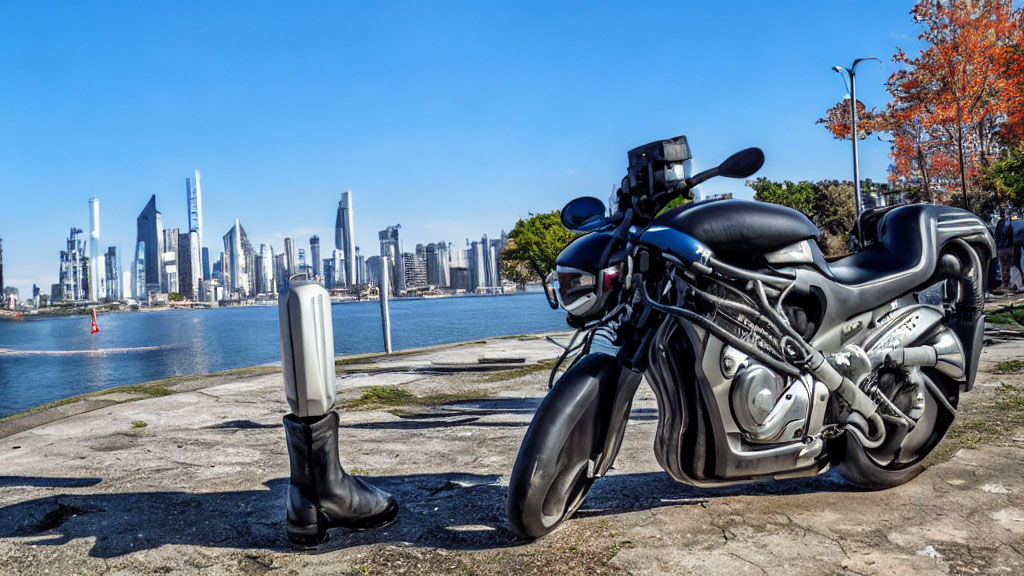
x,y
321,494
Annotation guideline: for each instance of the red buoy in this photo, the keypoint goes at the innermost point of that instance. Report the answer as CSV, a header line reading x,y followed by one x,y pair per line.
x,y
94,328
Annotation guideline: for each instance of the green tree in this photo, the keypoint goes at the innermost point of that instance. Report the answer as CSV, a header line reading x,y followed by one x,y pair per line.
x,y
1005,177
797,196
533,245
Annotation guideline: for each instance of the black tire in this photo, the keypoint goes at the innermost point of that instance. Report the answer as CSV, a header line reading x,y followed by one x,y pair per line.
x,y
551,475
860,467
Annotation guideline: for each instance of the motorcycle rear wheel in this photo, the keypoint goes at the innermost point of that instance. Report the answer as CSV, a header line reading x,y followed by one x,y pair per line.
x,y
876,469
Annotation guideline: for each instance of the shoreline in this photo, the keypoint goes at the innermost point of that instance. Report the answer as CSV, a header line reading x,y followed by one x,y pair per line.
x,y
89,401
124,308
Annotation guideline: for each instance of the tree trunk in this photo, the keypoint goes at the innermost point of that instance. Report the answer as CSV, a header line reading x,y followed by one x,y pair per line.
x,y
960,150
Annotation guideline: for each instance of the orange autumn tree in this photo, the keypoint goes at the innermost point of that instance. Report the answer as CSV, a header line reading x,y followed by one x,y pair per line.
x,y
837,120
950,101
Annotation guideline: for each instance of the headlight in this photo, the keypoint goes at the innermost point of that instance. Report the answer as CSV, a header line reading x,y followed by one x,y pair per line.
x,y
582,293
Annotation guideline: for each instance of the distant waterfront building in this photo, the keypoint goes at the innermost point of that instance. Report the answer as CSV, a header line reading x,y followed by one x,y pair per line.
x,y
239,262
337,269
194,207
97,280
436,256
373,270
344,236
190,272
265,270
73,276
360,268
112,274
280,272
314,254
329,273
415,269
291,260
149,227
477,266
390,247
138,271
460,278
169,262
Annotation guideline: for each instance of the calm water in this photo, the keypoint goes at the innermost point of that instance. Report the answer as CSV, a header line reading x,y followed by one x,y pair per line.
x,y
42,360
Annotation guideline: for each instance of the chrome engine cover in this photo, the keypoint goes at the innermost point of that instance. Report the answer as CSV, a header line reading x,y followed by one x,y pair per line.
x,y
767,408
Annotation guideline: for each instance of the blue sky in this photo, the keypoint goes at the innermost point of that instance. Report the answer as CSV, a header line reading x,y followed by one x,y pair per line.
x,y
451,118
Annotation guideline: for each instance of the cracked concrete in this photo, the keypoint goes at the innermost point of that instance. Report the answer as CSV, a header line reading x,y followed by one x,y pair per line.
x,y
200,490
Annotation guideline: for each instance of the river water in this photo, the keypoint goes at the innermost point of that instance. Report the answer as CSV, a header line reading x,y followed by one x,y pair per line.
x,y
46,359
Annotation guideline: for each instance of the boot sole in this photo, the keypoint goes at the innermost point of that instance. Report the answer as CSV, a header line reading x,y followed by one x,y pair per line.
x,y
385,518
308,535
312,535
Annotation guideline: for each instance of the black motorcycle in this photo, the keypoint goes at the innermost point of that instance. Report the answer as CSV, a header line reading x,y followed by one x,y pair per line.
x,y
767,359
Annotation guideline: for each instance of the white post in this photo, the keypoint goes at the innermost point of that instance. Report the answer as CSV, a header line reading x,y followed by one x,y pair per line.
x,y
385,316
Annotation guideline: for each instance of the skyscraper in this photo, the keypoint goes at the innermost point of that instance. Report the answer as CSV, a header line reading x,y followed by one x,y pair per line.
x,y
314,253
150,227
280,272
360,268
169,280
1,265
337,278
239,261
194,201
190,273
344,238
73,275
112,274
97,279
291,259
138,271
390,247
265,270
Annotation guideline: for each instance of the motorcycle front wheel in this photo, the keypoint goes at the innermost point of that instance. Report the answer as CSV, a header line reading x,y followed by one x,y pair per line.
x,y
554,468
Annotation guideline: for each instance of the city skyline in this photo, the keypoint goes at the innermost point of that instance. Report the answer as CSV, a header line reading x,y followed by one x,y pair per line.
x,y
496,113
158,225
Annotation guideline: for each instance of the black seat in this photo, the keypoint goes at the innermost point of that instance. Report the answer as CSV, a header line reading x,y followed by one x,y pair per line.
x,y
740,227
903,252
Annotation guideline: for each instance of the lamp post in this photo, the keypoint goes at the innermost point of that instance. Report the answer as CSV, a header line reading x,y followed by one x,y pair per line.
x,y
851,73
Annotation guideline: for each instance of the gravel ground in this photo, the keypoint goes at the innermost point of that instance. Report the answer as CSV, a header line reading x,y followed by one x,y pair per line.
x,y
194,483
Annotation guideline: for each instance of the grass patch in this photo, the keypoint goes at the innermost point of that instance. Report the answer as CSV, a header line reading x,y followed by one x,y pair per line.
x,y
1009,367
521,337
359,472
1009,397
382,396
398,400
1008,316
147,389
139,424
982,421
503,375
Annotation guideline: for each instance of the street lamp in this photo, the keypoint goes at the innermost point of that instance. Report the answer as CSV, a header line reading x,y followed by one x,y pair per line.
x,y
851,73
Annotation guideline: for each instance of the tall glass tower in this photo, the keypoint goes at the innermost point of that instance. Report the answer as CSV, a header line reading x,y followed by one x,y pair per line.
x,y
194,201
97,278
344,238
150,228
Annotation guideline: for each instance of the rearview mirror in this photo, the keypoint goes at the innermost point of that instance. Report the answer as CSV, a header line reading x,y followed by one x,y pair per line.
x,y
584,214
742,164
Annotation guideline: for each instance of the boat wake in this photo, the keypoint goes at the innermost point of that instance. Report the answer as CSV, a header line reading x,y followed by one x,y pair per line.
x,y
94,352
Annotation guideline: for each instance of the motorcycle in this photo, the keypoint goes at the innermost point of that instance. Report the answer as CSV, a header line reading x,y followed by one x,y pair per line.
x,y
767,360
